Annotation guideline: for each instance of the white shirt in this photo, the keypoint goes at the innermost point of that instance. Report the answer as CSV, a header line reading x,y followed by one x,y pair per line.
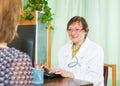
x,y
89,62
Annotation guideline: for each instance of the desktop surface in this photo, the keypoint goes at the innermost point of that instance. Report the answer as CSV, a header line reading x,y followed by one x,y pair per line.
x,y
64,82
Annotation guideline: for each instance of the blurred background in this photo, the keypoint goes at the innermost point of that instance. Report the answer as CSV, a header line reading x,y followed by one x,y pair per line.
x,y
103,17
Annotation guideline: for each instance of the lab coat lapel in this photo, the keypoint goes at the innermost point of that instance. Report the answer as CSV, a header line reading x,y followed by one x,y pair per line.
x,y
82,52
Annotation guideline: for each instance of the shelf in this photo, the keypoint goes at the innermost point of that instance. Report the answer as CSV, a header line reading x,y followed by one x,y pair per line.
x,y
28,22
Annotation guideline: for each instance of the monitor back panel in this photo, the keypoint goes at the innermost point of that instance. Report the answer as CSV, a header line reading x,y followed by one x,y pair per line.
x,y
25,40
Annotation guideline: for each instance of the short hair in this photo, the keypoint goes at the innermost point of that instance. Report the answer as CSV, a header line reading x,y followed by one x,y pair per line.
x,y
9,15
79,19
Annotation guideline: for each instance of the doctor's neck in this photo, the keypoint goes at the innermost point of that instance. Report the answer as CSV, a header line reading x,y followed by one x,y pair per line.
x,y
79,43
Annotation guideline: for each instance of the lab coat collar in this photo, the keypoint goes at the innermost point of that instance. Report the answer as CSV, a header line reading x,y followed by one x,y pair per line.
x,y
82,51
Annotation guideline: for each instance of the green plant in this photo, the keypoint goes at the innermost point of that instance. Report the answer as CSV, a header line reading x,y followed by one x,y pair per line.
x,y
40,5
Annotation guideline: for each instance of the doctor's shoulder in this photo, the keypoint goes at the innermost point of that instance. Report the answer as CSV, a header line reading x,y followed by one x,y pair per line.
x,y
65,48
95,46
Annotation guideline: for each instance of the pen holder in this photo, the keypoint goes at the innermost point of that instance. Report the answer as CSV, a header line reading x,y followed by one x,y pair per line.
x,y
38,75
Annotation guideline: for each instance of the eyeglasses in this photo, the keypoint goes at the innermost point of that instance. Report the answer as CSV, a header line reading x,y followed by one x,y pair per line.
x,y
75,30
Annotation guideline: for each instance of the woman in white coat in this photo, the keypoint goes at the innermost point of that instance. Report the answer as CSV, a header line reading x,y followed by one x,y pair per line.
x,y
81,58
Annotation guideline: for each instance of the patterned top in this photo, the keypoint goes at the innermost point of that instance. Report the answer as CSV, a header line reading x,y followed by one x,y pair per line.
x,y
15,68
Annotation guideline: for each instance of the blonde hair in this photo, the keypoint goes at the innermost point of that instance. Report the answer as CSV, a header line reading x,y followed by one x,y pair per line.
x,y
9,15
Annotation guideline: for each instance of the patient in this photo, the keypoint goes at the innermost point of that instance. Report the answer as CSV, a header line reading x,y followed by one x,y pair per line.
x,y
15,66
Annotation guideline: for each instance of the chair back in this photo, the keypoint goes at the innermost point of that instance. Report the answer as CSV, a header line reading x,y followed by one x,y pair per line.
x,y
113,68
105,75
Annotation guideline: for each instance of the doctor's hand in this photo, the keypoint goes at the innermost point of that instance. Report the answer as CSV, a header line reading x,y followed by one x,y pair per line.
x,y
62,72
46,69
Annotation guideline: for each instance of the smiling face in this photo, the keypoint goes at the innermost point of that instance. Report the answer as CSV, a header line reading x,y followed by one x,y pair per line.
x,y
76,32
77,29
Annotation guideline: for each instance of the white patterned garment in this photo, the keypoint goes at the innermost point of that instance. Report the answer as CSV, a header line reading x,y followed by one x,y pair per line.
x,y
15,68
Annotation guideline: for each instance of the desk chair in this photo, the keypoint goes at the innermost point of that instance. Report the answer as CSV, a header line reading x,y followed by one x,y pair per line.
x,y
113,66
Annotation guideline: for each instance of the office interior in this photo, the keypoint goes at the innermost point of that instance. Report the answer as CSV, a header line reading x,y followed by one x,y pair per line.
x,y
103,18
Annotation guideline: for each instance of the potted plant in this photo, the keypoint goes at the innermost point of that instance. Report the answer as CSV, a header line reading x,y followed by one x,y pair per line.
x,y
38,5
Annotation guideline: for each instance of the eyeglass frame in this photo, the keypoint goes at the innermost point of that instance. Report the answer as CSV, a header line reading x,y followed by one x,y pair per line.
x,y
75,30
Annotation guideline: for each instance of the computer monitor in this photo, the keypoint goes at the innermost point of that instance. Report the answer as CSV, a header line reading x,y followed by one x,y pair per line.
x,y
25,40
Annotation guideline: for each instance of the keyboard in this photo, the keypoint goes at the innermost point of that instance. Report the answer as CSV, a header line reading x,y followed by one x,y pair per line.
x,y
50,76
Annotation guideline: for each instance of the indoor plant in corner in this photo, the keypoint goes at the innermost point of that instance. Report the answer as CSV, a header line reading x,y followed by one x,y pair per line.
x,y
38,5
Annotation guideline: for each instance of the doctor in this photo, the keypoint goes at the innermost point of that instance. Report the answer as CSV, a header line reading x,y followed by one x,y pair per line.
x,y
80,59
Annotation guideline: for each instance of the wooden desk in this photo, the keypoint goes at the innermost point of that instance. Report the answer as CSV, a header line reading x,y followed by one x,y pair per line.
x,y
64,82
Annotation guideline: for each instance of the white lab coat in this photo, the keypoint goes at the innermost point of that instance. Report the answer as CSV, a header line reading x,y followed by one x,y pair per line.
x,y
90,62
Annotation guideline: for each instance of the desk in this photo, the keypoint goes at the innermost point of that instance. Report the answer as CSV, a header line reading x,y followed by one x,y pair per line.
x,y
64,82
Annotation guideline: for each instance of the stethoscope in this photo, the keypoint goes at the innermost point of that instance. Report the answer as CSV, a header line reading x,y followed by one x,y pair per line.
x,y
74,63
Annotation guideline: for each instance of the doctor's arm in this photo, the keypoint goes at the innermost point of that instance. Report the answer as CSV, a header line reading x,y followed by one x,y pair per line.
x,y
62,72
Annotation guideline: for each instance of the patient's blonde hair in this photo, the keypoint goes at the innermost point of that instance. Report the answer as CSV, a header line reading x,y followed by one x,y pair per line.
x,y
9,14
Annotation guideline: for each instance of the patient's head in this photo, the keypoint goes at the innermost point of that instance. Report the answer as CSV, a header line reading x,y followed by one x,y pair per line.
x,y
9,15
